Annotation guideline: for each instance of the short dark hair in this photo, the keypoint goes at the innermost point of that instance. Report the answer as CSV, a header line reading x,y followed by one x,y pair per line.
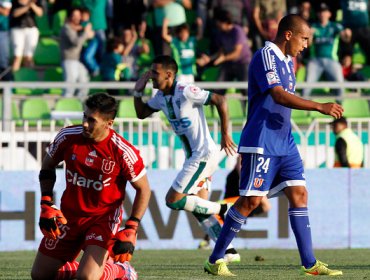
x,y
223,16
182,27
291,22
103,103
113,44
71,11
167,62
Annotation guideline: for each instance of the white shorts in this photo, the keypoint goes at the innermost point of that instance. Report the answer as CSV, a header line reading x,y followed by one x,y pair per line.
x,y
24,41
193,172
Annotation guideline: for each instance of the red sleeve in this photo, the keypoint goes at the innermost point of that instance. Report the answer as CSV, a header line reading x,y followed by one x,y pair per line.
x,y
133,164
57,148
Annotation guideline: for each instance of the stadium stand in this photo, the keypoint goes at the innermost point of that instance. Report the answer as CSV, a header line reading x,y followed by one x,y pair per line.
x,y
356,108
47,52
34,109
26,75
126,108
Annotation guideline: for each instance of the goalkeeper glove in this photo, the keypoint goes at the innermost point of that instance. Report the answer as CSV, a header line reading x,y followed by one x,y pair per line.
x,y
125,241
49,217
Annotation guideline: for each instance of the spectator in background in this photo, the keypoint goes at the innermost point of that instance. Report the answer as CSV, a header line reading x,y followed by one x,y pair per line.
x,y
350,71
5,6
112,66
349,150
24,32
323,58
183,50
72,38
132,49
234,52
237,8
127,13
97,9
356,19
90,48
266,15
175,13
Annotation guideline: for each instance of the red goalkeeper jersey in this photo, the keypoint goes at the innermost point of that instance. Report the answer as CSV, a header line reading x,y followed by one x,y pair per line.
x,y
96,172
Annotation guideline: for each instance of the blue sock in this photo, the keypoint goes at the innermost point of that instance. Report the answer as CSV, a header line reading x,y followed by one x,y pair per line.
x,y
233,222
301,227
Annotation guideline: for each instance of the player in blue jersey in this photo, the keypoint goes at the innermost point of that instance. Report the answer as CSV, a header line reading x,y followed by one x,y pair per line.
x,y
182,104
271,164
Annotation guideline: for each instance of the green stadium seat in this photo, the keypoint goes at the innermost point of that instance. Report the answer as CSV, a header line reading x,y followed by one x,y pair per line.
x,y
301,74
54,74
356,108
126,108
69,105
301,117
58,21
47,52
26,75
236,112
318,115
43,25
34,109
210,74
358,56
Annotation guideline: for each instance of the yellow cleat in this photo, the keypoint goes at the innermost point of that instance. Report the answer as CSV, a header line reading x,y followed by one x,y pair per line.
x,y
219,268
320,268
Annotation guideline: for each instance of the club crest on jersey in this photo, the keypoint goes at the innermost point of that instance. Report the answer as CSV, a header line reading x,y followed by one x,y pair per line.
x,y
194,89
271,78
258,182
107,166
89,161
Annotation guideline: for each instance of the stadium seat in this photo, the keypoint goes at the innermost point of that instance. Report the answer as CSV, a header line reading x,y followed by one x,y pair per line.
x,y
26,75
358,56
301,117
210,74
58,21
126,108
356,108
34,109
236,112
54,74
47,52
43,25
69,105
318,115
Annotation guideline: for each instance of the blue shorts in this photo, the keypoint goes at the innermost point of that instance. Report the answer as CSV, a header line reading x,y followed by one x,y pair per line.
x,y
263,175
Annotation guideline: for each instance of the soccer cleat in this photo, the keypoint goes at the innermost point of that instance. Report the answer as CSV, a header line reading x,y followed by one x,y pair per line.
x,y
232,258
130,272
320,268
219,268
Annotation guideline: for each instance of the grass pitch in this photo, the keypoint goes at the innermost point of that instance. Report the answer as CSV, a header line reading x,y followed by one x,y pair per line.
x,y
188,264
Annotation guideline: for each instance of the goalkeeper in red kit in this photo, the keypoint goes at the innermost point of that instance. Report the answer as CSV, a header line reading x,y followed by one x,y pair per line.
x,y
98,164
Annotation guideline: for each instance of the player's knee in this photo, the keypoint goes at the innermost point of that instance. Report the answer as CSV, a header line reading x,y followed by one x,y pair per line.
x,y
299,198
37,274
176,205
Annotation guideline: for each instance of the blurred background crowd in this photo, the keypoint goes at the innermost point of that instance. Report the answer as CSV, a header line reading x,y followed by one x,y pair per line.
x,y
212,40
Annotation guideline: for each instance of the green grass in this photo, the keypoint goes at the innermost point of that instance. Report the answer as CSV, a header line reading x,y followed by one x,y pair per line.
x,y
188,264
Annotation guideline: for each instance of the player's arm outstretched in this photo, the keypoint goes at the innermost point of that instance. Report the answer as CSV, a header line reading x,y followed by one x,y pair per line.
x,y
284,98
227,142
50,215
142,109
125,239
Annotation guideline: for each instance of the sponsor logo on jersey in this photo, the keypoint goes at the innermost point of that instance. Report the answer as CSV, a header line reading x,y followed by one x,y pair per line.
x,y
258,182
94,237
271,78
194,89
54,146
129,165
81,181
93,154
107,166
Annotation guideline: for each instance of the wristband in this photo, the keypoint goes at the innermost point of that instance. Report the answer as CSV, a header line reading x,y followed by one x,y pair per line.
x,y
138,93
